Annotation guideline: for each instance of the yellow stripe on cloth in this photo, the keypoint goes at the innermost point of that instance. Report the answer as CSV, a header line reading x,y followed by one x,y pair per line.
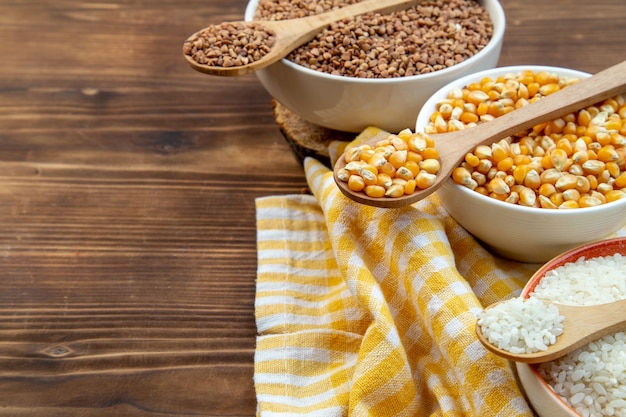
x,y
364,311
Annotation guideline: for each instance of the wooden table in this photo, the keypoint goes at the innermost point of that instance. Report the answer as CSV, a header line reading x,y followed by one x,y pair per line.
x,y
127,188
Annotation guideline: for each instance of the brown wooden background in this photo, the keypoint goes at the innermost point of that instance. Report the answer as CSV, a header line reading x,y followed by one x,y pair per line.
x,y
127,187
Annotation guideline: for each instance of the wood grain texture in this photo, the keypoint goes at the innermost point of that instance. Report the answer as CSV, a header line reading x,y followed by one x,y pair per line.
x,y
127,187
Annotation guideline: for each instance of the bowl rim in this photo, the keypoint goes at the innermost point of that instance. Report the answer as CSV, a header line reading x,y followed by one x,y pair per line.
x,y
568,256
499,26
434,98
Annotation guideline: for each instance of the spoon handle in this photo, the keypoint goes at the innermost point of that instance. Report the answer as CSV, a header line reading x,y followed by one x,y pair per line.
x,y
300,30
361,8
588,323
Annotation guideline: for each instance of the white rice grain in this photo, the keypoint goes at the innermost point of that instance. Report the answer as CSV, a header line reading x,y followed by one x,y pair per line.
x,y
592,380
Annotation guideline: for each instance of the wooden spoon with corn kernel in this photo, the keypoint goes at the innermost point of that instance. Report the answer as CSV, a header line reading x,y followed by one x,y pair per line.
x,y
284,35
581,325
453,146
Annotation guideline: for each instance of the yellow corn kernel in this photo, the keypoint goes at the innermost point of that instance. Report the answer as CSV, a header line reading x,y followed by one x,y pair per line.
x,y
584,118
356,183
566,144
566,182
559,158
455,125
424,180
388,169
430,153
521,159
580,157
512,198
414,156
445,110
343,175
608,154
588,201
440,125
476,97
583,185
375,191
483,152
484,166
593,166
498,152
409,187
394,191
399,181
399,143
569,204
546,189
413,166
496,109
571,194
498,186
481,190
570,128
462,176
614,122
472,159
384,180
404,173
377,160
599,196
620,181
479,177
366,154
615,195
575,169
532,179
613,168
545,202
506,164
417,143
353,154
604,177
555,126
533,88
398,158
432,166
527,197
496,196
557,199
467,117
546,77
604,188
369,177
547,89
482,109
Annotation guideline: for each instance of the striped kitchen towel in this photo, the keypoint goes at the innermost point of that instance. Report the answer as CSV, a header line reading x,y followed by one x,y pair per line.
x,y
363,311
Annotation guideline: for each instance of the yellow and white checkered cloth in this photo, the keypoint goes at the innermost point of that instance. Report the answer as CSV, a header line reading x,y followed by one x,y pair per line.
x,y
364,311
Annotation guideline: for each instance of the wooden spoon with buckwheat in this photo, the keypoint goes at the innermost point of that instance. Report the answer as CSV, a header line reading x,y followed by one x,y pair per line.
x,y
268,41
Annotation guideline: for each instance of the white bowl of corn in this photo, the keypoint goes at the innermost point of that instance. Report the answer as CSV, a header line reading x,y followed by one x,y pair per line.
x,y
544,191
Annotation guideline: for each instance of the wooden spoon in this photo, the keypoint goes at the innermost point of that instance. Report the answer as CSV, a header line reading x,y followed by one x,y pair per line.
x,y
581,325
290,34
453,146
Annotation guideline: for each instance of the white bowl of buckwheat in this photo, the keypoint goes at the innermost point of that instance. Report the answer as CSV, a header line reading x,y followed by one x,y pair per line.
x,y
546,190
360,72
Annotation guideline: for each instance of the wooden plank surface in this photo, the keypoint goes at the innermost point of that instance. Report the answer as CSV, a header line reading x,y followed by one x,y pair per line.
x,y
127,187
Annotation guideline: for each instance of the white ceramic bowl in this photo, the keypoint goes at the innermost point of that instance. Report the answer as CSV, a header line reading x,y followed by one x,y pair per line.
x,y
515,232
541,396
352,104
